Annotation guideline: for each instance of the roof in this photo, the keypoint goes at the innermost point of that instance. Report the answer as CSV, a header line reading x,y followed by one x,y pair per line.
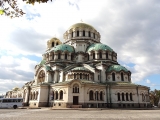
x,y
48,68
81,25
116,68
98,46
63,47
42,62
80,69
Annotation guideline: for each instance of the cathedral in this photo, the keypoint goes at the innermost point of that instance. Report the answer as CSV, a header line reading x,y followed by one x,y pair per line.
x,y
81,72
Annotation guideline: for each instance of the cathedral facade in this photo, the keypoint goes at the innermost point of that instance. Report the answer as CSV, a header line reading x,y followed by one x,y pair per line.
x,y
81,72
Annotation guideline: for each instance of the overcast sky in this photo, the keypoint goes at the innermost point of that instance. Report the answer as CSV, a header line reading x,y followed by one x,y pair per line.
x,y
130,27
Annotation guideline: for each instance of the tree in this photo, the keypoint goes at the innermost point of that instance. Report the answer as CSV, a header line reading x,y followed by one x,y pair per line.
x,y
11,9
155,97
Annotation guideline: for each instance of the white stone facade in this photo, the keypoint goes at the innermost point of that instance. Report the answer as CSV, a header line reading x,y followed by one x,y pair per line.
x,y
81,72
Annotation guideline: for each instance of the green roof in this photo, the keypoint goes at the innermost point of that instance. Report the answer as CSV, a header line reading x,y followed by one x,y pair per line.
x,y
116,68
48,68
80,69
63,47
81,25
42,62
98,46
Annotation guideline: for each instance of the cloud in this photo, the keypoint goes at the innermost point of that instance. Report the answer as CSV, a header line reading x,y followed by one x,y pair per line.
x,y
130,27
148,81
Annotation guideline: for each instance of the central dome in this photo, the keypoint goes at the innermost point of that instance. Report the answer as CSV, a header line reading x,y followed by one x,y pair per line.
x,y
81,25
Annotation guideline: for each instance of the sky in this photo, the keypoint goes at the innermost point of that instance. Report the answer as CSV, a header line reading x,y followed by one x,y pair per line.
x,y
130,27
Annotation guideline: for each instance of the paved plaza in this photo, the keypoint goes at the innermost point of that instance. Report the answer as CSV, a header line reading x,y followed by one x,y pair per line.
x,y
81,114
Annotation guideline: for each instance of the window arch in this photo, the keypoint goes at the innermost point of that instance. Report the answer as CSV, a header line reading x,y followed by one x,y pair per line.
x,y
72,34
131,97
41,77
122,77
91,95
57,43
52,44
83,33
77,33
80,75
101,95
93,55
113,76
127,97
123,97
65,55
59,55
76,88
119,98
61,95
56,95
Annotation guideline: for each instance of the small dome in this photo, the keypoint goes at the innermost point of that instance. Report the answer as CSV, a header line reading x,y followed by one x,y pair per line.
x,y
63,47
98,46
81,25
117,68
80,69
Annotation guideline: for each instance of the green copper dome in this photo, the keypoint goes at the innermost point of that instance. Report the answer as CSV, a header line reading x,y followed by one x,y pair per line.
x,y
80,69
63,47
116,68
98,46
81,25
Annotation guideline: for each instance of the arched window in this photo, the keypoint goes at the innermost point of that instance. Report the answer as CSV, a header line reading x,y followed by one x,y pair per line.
x,y
93,55
72,56
106,55
131,97
127,97
96,95
65,55
77,33
59,56
113,76
61,95
101,95
91,95
123,97
72,34
52,44
80,75
89,34
75,88
100,54
41,77
56,95
93,35
122,77
57,43
83,33
119,98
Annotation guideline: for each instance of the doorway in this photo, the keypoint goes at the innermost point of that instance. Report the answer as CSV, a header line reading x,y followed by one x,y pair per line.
x,y
75,100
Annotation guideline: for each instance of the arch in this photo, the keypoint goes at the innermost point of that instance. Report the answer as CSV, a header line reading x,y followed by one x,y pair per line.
x,y
83,33
113,76
90,95
75,88
119,98
41,76
65,55
57,43
72,34
52,44
93,55
101,95
127,97
61,95
122,77
56,95
131,99
77,33
59,55
123,97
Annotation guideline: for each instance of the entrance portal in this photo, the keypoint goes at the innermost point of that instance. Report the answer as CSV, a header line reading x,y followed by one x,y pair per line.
x,y
75,100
